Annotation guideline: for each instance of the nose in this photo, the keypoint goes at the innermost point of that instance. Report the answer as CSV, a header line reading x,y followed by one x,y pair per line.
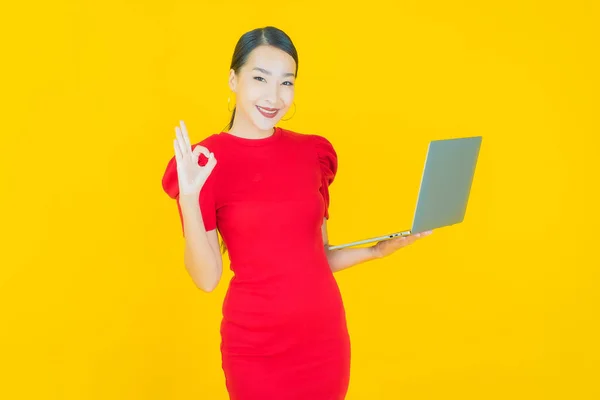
x,y
272,95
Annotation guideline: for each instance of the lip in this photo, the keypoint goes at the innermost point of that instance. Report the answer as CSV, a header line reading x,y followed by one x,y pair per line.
x,y
267,112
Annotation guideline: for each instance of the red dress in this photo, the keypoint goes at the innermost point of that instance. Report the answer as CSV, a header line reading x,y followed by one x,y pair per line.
x,y
283,333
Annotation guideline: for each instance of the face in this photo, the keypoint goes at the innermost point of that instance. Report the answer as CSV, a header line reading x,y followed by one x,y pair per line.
x,y
264,87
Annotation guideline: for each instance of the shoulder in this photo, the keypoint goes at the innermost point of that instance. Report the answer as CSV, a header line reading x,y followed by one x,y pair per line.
x,y
297,137
321,144
211,142
322,147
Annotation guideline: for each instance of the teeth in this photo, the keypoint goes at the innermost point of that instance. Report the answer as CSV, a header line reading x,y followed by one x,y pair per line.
x,y
268,112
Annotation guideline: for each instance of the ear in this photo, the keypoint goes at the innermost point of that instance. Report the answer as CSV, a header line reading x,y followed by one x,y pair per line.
x,y
232,80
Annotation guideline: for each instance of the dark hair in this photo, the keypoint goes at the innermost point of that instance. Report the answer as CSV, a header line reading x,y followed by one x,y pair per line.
x,y
249,41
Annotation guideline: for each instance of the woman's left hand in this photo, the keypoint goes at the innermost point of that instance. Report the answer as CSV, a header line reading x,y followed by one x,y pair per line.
x,y
387,247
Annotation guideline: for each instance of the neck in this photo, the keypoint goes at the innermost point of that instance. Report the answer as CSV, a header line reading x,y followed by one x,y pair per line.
x,y
242,127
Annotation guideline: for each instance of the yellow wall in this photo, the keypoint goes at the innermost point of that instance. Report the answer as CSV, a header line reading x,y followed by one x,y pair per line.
x,y
96,303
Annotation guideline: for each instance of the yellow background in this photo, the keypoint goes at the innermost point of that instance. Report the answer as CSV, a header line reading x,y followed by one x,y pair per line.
x,y
96,302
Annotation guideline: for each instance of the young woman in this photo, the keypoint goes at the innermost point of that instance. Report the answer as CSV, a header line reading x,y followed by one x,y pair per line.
x,y
284,333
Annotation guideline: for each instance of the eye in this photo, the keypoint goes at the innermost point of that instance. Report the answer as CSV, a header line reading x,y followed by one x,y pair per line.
x,y
288,83
258,78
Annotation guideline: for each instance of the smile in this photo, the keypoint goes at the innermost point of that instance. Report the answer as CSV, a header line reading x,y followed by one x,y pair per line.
x,y
268,112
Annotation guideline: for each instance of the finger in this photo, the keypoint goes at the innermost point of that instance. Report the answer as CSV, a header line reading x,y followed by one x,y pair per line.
x,y
180,142
185,134
201,150
398,240
178,155
409,240
212,161
398,243
186,151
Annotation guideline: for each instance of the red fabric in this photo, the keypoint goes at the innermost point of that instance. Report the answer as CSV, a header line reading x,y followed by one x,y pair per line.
x,y
283,332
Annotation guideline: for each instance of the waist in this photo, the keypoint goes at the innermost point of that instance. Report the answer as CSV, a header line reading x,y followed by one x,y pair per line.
x,y
283,301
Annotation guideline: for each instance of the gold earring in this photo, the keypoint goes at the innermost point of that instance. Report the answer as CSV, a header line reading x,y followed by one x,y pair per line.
x,y
228,103
287,119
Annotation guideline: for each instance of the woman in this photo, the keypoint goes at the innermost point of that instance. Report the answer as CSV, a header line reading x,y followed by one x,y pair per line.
x,y
284,333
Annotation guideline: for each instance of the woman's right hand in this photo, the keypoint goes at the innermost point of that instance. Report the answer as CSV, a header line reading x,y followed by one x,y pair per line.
x,y
190,175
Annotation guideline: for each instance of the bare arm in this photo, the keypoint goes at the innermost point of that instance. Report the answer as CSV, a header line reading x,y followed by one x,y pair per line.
x,y
343,258
340,259
202,258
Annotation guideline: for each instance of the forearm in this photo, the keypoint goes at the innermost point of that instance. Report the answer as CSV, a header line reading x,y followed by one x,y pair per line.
x,y
200,259
344,258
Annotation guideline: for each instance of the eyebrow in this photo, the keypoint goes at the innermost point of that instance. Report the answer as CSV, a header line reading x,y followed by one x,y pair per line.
x,y
264,71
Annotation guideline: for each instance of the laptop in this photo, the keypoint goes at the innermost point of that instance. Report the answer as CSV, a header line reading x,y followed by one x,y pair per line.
x,y
444,190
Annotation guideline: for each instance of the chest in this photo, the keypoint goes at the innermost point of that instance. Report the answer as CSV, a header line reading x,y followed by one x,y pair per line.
x,y
268,191
268,175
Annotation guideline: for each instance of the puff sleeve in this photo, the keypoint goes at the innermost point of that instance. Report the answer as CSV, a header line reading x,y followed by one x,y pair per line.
x,y
206,200
328,164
